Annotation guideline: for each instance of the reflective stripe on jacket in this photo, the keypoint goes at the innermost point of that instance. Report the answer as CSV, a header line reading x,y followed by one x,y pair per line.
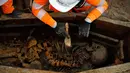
x,y
39,12
2,2
100,7
7,7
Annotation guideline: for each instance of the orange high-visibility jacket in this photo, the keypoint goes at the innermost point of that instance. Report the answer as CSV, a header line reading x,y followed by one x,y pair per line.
x,y
7,6
39,12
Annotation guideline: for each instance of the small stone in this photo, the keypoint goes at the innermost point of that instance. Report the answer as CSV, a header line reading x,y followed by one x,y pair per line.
x,y
36,64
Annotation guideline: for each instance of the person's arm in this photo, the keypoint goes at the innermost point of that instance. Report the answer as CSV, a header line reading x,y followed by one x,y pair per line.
x,y
101,6
40,13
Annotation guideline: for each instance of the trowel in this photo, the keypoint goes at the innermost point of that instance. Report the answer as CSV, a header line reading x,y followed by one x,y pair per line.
x,y
67,39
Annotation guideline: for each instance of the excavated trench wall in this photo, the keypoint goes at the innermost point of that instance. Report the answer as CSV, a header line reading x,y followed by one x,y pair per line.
x,y
118,12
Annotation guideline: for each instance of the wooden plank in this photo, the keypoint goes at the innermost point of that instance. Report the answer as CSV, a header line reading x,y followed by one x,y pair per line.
x,y
110,29
9,69
122,68
99,26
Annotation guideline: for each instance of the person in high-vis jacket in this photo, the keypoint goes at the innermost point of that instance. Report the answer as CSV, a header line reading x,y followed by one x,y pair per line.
x,y
8,8
66,6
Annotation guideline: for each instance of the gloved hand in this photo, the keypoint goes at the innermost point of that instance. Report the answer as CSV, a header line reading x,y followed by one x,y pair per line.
x,y
14,14
60,29
84,29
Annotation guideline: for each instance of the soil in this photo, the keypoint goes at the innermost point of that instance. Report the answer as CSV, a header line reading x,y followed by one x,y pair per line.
x,y
118,13
119,10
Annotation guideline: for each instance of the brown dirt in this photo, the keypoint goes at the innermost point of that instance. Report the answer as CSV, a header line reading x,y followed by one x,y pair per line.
x,y
119,10
118,13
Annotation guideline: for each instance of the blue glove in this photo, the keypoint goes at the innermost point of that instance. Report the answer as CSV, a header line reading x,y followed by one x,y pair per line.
x,y
14,14
84,29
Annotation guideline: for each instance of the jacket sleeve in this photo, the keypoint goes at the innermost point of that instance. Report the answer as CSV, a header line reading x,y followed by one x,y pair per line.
x,y
101,6
40,13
